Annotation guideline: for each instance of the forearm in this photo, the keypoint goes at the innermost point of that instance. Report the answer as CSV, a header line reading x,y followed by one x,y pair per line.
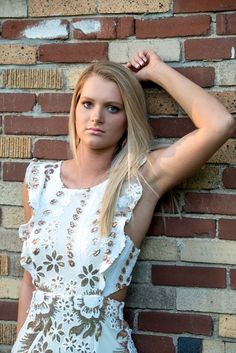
x,y
203,109
26,291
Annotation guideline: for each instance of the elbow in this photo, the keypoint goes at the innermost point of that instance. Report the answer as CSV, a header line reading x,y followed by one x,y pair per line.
x,y
228,125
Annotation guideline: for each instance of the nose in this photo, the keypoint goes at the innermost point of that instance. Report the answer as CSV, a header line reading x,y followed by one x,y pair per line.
x,y
97,115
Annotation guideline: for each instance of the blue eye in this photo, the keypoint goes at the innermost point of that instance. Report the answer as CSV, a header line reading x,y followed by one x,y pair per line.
x,y
113,109
87,104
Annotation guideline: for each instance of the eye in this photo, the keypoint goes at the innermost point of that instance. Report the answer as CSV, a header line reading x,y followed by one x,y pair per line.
x,y
87,104
113,109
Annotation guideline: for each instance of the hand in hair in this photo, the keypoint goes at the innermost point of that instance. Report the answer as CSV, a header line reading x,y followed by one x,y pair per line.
x,y
144,64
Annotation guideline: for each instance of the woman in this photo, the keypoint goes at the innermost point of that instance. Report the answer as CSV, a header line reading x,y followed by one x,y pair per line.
x,y
87,216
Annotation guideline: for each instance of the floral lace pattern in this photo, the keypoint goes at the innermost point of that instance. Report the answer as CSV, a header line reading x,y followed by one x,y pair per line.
x,y
73,269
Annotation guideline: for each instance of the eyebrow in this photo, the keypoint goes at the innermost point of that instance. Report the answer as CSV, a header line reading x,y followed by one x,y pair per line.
x,y
108,102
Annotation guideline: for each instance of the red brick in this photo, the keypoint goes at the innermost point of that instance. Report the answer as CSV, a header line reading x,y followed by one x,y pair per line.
x,y
233,278
51,149
125,27
183,6
175,323
16,102
189,276
154,344
203,76
170,126
26,125
107,29
129,317
73,52
227,229
8,310
173,27
210,203
211,48
13,29
110,28
182,227
55,102
168,203
14,171
229,178
226,24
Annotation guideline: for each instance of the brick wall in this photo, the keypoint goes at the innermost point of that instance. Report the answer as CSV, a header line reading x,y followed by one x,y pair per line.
x,y
182,298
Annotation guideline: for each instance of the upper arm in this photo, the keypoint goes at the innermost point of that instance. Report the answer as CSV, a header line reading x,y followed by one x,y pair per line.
x,y
27,209
173,164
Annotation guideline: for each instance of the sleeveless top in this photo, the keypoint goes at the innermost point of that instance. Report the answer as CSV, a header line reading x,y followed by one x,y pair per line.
x,y
73,268
62,238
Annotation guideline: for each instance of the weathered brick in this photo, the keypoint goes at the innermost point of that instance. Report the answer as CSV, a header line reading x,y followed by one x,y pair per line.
x,y
203,76
27,125
227,229
9,8
189,344
15,268
35,29
12,216
4,271
16,102
225,73
142,272
10,193
182,227
61,8
139,6
227,326
49,149
122,51
7,333
157,298
212,346
15,147
210,203
73,74
55,102
8,310
226,24
103,28
175,323
9,240
159,249
227,99
170,126
33,78
229,178
160,103
9,288
211,48
203,5
230,347
226,154
233,278
73,52
173,27
206,300
208,251
17,54
14,171
149,344
1,79
189,276
207,177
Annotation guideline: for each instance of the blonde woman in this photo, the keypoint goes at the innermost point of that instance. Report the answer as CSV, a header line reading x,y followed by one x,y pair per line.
x,y
87,216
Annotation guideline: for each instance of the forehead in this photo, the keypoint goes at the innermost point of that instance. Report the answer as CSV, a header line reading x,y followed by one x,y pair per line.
x,y
96,87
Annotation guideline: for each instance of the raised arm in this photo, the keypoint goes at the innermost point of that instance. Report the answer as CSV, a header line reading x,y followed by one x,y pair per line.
x,y
214,124
26,288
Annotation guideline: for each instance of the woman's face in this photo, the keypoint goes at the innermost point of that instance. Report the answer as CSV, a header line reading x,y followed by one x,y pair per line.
x,y
100,115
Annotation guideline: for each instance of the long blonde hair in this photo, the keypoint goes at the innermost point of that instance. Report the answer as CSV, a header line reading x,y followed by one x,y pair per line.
x,y
134,144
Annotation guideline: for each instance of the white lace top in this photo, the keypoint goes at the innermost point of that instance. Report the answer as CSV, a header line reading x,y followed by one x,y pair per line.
x,y
62,248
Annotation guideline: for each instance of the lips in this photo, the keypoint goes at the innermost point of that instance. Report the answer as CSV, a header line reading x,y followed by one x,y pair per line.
x,y
95,130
